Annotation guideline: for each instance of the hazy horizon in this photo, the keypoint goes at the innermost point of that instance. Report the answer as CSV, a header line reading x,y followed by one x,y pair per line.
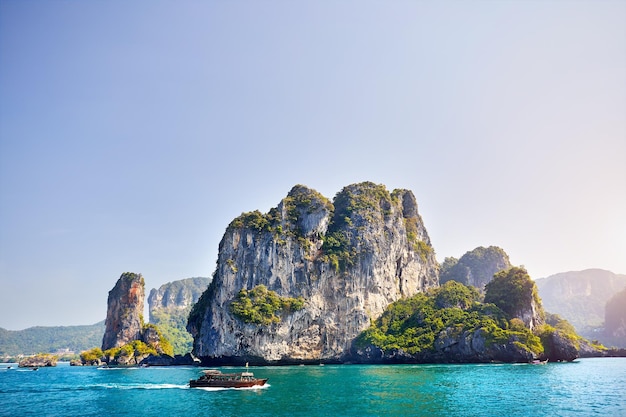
x,y
131,134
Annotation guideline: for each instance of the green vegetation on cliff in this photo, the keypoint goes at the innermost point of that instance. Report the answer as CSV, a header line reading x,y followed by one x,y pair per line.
x,y
418,246
354,206
555,323
357,207
414,324
337,250
262,306
153,343
254,220
299,200
302,199
154,337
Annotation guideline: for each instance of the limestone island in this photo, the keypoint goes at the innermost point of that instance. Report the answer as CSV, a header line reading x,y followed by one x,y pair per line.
x,y
356,280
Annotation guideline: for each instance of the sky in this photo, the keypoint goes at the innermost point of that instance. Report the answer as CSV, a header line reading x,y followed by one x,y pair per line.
x,y
132,133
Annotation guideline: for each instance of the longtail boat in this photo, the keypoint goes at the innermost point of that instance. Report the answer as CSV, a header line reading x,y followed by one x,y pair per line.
x,y
213,378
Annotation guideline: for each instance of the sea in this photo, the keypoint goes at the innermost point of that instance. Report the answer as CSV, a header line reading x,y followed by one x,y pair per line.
x,y
585,387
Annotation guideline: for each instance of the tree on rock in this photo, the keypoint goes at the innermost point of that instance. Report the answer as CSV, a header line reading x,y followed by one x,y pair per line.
x,y
515,293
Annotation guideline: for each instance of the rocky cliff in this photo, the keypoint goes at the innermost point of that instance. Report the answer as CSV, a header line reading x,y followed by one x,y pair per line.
x,y
476,267
345,261
176,296
125,304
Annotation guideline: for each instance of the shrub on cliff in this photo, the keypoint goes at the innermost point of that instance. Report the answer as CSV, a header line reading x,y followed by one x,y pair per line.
x,y
300,199
132,353
355,206
261,306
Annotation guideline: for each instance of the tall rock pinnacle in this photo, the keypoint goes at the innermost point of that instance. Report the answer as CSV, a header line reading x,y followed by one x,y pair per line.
x,y
124,319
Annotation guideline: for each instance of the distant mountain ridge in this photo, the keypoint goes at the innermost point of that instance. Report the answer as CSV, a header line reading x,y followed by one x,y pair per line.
x,y
580,296
50,339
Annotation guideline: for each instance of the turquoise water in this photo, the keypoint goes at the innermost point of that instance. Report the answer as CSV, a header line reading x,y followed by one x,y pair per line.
x,y
583,388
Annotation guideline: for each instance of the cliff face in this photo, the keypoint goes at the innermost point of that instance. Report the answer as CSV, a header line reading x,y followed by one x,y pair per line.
x,y
347,260
177,296
124,312
476,267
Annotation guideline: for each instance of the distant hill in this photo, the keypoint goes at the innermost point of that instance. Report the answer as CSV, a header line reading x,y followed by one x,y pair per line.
x,y
50,339
476,267
169,307
580,296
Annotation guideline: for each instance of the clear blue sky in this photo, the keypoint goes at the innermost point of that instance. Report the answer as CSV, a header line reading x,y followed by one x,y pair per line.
x,y
132,133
